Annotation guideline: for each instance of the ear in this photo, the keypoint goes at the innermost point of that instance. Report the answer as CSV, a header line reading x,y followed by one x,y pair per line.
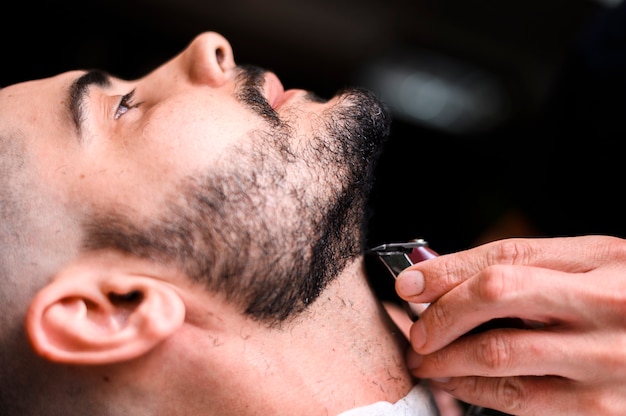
x,y
103,309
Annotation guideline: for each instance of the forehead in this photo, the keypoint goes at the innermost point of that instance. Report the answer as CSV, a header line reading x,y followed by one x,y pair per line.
x,y
35,124
22,118
29,117
26,104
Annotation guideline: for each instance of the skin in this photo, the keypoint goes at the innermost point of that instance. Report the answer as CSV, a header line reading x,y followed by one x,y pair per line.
x,y
446,403
568,292
193,249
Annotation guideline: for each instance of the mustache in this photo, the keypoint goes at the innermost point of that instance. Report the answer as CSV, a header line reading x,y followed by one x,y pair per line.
x,y
252,78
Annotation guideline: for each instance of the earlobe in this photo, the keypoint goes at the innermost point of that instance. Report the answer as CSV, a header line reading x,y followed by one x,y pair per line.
x,y
97,312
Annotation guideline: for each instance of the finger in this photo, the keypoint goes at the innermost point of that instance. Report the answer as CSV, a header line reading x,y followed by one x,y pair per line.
x,y
530,293
530,396
446,403
514,352
571,254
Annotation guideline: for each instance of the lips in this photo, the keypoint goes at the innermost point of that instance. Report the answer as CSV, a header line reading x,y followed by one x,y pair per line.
x,y
275,92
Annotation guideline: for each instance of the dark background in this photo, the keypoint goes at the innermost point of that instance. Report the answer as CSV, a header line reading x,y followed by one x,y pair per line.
x,y
508,114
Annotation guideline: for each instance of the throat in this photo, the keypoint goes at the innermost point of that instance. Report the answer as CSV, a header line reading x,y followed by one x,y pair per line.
x,y
347,348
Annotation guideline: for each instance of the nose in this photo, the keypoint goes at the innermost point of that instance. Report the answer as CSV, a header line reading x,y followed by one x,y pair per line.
x,y
208,58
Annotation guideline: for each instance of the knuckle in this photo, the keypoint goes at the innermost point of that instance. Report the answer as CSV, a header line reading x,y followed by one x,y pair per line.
x,y
495,353
492,286
610,247
510,395
602,404
609,359
500,282
505,394
448,274
439,315
510,251
439,361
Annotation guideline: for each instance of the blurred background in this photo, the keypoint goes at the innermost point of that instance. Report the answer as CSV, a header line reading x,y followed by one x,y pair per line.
x,y
507,114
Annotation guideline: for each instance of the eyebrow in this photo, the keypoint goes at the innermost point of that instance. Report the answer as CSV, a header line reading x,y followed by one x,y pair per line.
x,y
79,93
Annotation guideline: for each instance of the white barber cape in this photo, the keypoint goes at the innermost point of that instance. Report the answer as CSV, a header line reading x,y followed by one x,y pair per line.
x,y
419,402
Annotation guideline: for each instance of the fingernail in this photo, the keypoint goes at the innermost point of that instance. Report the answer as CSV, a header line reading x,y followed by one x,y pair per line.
x,y
413,360
410,283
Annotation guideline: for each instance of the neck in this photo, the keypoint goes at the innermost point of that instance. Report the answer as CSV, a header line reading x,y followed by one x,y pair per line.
x,y
342,353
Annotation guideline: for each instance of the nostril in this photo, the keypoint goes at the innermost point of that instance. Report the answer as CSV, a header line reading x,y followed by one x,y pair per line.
x,y
219,55
208,59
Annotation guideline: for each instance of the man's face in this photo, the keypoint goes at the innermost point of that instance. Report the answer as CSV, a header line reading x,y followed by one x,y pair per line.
x,y
254,190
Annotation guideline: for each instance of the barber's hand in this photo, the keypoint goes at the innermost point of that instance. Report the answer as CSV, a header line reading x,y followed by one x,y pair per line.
x,y
571,294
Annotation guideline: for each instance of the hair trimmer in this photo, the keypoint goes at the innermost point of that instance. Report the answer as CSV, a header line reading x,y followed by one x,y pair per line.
x,y
397,257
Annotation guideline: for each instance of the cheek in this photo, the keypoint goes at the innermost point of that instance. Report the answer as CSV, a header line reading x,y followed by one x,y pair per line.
x,y
194,140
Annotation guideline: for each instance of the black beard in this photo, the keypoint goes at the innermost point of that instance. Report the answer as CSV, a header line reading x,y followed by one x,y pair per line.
x,y
277,220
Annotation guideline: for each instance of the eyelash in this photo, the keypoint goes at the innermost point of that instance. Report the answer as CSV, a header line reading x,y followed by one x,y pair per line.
x,y
126,104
